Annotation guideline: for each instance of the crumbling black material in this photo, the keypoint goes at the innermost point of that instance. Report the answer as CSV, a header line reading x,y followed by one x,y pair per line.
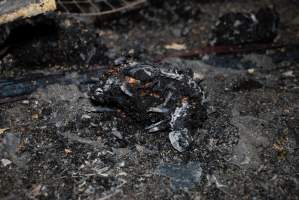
x,y
242,28
44,41
159,99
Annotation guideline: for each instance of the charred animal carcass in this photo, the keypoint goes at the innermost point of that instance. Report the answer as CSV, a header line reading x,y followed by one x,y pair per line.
x,y
160,99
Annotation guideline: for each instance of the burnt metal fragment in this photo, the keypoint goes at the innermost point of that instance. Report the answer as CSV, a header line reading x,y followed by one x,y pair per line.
x,y
159,99
242,28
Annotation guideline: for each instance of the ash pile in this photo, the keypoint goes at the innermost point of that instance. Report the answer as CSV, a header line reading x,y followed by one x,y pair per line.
x,y
159,99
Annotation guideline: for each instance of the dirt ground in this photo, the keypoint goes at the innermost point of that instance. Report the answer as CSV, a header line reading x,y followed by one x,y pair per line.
x,y
56,144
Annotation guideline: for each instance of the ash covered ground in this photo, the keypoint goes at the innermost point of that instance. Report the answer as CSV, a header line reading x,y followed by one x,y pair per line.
x,y
55,143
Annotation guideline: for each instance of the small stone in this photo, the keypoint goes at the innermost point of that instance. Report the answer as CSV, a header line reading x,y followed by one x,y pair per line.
x,y
85,116
213,180
36,190
237,23
5,162
67,151
180,140
288,74
25,102
140,148
176,32
198,76
185,31
205,57
67,23
116,133
122,164
2,130
35,116
251,71
131,52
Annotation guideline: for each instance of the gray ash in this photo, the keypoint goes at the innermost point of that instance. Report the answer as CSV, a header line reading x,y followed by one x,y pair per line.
x,y
159,99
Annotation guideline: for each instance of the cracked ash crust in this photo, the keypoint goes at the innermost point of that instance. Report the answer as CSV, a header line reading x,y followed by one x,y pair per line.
x,y
159,99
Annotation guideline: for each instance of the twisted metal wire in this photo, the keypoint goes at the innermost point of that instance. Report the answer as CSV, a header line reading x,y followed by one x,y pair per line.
x,y
97,7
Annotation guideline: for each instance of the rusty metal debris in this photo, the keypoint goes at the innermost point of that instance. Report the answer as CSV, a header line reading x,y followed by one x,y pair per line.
x,y
11,10
98,7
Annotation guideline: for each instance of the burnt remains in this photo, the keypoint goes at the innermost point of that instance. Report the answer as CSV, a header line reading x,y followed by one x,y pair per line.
x,y
243,28
159,99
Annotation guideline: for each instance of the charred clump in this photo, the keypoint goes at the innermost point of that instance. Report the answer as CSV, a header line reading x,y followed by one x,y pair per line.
x,y
159,99
242,28
45,41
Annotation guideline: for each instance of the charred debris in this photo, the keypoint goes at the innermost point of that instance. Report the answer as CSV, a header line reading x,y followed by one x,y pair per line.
x,y
149,99
160,99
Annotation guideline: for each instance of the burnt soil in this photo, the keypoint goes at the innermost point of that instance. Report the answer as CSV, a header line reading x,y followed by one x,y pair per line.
x,y
58,145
